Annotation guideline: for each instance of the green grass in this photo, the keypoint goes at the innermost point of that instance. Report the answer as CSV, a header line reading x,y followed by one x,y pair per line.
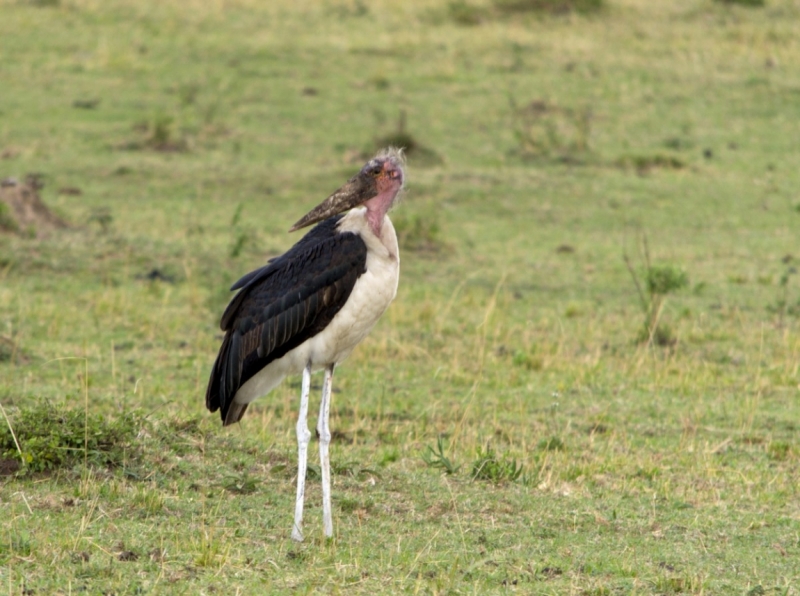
x,y
502,429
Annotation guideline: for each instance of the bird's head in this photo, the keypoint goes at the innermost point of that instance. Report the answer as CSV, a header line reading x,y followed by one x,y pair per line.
x,y
376,185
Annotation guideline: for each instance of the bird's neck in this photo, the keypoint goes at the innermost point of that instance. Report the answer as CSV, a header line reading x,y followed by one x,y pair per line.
x,y
377,208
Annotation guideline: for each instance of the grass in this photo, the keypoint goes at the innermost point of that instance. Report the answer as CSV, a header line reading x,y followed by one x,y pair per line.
x,y
563,455
54,438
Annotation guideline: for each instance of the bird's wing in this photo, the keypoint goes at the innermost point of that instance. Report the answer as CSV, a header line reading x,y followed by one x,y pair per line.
x,y
283,304
309,241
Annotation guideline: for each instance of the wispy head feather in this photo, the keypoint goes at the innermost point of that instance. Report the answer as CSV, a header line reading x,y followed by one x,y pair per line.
x,y
396,154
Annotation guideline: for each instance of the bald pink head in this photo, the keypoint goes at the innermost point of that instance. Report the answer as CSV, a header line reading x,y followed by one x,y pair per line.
x,y
389,181
376,187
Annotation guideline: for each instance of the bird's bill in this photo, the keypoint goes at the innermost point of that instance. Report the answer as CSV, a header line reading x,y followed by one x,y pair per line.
x,y
354,193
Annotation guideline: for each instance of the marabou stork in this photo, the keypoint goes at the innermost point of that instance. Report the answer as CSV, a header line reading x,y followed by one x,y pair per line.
x,y
307,309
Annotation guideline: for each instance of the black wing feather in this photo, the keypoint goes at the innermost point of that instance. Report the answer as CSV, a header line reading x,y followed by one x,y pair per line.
x,y
281,305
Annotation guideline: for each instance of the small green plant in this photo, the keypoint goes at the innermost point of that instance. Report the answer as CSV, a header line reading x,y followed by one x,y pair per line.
x,y
659,280
211,551
644,164
464,13
188,93
10,350
494,469
751,3
552,6
242,484
7,221
242,237
49,437
160,135
352,469
551,444
102,217
355,505
663,279
313,472
435,458
148,500
346,11
239,243
417,153
161,132
15,544
389,456
779,450
781,306
544,129
419,233
527,360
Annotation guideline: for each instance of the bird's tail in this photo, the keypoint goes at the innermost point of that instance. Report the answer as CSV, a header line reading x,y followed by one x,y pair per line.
x,y
212,391
218,396
234,413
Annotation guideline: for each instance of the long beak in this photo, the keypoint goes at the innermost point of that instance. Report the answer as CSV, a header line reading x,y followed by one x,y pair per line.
x,y
354,193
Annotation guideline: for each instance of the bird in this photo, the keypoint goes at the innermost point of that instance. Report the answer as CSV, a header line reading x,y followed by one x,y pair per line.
x,y
307,309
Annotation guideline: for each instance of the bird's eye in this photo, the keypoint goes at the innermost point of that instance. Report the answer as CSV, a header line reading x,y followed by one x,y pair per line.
x,y
375,170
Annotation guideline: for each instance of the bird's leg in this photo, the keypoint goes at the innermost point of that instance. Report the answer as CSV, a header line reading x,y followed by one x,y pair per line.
x,y
324,430
303,438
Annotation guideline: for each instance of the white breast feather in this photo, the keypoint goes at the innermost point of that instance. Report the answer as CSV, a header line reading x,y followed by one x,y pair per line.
x,y
373,292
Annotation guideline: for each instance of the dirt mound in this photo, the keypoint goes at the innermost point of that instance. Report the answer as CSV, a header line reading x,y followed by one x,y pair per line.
x,y
22,209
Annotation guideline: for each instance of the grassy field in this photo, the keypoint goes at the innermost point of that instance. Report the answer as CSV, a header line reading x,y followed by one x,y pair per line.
x,y
182,139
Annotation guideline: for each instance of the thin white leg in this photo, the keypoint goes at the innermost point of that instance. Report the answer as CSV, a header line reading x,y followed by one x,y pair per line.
x,y
324,430
303,438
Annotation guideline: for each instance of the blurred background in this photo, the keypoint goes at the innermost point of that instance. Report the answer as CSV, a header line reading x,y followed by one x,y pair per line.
x,y
599,244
